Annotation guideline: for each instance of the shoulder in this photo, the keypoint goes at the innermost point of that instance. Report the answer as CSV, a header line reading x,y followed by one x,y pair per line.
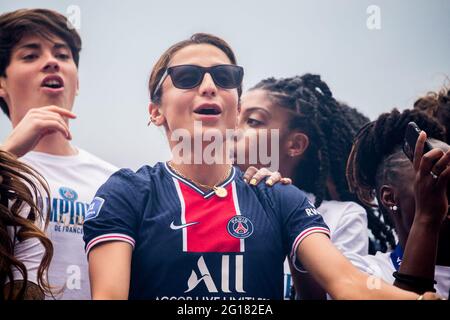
x,y
141,180
126,176
89,157
285,198
345,210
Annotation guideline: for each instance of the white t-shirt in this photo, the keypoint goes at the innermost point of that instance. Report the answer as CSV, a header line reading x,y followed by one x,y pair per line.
x,y
347,221
380,265
30,252
73,182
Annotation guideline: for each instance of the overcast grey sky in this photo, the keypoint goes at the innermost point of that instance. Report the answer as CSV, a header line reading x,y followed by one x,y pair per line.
x,y
373,70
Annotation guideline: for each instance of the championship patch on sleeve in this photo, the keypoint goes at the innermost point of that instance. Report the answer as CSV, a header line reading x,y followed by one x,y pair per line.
x,y
94,208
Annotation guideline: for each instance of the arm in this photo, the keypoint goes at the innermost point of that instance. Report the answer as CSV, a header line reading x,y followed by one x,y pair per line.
x,y
306,287
338,276
109,270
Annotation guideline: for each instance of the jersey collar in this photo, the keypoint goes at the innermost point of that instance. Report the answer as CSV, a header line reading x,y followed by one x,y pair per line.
x,y
205,194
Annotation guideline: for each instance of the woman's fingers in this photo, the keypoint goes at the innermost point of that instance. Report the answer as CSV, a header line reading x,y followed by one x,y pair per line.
x,y
46,119
441,164
275,177
254,176
418,151
50,126
259,175
249,173
59,110
428,160
444,179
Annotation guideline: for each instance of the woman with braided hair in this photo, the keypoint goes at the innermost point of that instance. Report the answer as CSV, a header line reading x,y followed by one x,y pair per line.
x,y
382,238
316,135
412,197
25,250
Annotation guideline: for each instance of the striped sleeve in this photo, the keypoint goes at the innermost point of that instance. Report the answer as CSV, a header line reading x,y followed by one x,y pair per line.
x,y
300,220
113,214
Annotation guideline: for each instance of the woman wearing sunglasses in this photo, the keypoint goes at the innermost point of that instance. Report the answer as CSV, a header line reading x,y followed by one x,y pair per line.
x,y
193,229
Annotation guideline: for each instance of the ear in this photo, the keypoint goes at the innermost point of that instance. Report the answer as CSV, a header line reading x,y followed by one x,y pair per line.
x,y
298,142
157,117
388,196
3,92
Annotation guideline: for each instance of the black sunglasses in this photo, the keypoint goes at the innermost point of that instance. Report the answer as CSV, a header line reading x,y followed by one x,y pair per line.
x,y
187,76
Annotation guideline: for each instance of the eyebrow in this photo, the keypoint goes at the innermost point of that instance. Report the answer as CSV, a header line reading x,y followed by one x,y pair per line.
x,y
34,45
253,109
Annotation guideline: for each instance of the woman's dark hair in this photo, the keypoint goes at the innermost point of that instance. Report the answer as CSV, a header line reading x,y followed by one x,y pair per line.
x,y
377,157
330,127
437,105
21,189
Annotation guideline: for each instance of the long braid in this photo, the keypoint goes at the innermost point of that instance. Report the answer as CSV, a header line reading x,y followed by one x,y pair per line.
x,y
377,158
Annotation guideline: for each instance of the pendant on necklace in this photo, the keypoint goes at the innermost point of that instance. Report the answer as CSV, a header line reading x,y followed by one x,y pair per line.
x,y
221,192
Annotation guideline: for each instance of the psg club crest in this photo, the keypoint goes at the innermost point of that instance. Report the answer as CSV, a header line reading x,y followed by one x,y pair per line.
x,y
68,194
240,227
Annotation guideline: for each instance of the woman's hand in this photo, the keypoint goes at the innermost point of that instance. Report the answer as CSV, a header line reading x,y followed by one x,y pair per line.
x,y
254,176
430,296
37,123
431,182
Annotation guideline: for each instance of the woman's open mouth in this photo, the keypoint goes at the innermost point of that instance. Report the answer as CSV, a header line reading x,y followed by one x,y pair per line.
x,y
208,112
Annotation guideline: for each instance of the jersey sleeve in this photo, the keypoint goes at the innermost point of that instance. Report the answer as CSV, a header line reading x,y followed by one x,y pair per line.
x,y
299,217
114,213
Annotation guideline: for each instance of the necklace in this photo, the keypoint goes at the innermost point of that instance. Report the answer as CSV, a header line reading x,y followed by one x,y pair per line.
x,y
221,192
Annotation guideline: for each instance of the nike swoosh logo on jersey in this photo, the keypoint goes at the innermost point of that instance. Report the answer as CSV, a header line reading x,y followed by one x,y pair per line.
x,y
181,226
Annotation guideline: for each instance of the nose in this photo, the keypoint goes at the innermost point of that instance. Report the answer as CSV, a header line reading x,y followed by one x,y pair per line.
x,y
208,87
51,63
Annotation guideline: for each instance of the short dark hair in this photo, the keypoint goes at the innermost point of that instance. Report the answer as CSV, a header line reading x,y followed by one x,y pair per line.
x,y
163,61
43,22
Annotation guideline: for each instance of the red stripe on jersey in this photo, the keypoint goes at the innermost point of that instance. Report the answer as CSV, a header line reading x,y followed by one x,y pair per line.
x,y
210,234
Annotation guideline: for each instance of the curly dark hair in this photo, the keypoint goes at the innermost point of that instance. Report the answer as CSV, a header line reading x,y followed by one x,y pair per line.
x,y
437,105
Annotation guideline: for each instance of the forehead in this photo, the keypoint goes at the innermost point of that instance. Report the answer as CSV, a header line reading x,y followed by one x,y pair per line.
x,y
256,98
49,40
204,55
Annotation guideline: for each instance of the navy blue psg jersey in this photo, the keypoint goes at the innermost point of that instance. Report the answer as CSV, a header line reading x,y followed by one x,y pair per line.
x,y
193,245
